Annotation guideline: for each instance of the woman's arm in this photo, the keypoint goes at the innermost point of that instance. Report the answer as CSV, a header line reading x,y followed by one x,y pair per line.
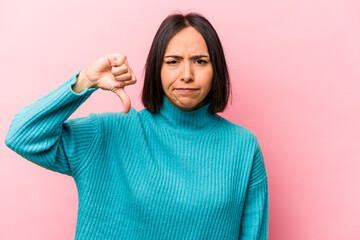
x,y
254,222
40,132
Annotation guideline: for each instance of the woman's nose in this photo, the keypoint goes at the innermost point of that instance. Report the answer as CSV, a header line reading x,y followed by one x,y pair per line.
x,y
187,74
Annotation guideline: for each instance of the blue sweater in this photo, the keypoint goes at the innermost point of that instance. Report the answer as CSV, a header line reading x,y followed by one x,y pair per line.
x,y
169,175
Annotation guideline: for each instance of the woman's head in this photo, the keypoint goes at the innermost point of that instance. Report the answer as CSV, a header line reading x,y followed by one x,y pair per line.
x,y
186,66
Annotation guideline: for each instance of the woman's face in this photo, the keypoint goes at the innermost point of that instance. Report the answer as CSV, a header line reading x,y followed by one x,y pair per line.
x,y
186,72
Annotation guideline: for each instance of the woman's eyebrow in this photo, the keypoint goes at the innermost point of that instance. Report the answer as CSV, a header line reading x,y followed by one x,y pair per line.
x,y
199,56
174,56
180,57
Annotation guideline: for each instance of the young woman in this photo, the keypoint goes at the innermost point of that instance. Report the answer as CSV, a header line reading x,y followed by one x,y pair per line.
x,y
174,170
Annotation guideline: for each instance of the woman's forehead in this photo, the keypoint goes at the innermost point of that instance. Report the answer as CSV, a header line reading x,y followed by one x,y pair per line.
x,y
188,42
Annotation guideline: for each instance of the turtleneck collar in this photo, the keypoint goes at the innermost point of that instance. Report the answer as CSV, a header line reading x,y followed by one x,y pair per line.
x,y
199,119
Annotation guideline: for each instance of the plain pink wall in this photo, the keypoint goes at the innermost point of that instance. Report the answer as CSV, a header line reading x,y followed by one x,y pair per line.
x,y
295,68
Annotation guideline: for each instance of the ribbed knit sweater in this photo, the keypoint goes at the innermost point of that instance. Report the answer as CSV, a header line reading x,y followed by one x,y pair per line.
x,y
168,175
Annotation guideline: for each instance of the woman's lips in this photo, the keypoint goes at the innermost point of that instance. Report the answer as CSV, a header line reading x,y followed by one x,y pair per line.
x,y
186,90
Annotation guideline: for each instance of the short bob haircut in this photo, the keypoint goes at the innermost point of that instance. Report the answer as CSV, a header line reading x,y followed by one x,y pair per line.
x,y
152,95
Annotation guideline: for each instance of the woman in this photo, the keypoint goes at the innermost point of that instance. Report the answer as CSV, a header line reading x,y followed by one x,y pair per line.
x,y
175,170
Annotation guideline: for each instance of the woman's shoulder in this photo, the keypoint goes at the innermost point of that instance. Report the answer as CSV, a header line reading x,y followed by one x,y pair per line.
x,y
235,130
232,126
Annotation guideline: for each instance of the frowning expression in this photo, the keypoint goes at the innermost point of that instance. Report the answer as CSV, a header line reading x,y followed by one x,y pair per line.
x,y
187,72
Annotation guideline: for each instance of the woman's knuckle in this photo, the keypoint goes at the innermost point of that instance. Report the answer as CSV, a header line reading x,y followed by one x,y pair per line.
x,y
124,69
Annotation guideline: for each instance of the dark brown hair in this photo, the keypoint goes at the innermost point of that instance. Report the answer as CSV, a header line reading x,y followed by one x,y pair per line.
x,y
152,95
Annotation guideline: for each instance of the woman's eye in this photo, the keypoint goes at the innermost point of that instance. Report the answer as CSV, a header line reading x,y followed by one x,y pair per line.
x,y
201,61
171,62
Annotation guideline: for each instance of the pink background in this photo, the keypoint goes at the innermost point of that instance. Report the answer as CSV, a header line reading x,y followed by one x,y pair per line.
x,y
295,69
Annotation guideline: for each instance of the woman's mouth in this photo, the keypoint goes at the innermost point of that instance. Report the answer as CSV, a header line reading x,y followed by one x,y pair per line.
x,y
186,90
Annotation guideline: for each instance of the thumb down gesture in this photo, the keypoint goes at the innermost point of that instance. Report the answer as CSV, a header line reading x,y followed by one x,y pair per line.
x,y
110,72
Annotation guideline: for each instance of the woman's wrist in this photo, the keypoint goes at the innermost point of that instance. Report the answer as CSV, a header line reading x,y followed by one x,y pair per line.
x,y
82,82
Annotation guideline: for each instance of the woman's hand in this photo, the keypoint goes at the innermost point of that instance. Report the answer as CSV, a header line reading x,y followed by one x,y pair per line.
x,y
112,73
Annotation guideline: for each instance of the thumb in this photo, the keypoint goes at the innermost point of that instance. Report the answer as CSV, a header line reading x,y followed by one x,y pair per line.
x,y
124,99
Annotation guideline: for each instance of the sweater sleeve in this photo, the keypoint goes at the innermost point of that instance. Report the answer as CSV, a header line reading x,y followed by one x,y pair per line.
x,y
254,222
40,133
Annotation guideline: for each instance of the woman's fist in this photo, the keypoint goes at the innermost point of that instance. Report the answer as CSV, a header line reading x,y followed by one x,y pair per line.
x,y
112,73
